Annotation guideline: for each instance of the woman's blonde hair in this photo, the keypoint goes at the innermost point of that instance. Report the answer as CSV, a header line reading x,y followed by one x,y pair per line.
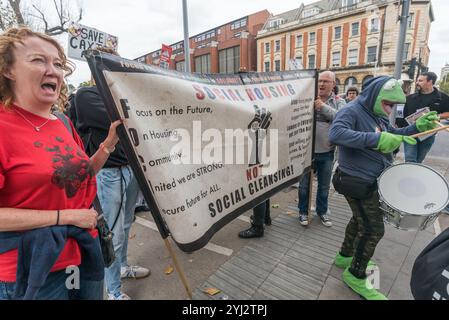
x,y
8,41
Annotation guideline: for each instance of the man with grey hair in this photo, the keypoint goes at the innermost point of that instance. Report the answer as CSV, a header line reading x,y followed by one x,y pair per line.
x,y
326,106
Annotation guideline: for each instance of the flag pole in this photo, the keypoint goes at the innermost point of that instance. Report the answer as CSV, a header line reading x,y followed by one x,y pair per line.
x,y
178,268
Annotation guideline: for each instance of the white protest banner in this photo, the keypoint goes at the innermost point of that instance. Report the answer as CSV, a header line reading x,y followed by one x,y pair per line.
x,y
207,148
84,38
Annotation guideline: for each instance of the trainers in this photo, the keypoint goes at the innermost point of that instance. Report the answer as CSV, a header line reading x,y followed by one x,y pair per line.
x,y
303,219
345,262
325,220
120,296
134,272
362,287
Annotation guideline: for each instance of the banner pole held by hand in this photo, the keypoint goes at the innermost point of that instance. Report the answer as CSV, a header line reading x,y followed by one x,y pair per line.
x,y
178,268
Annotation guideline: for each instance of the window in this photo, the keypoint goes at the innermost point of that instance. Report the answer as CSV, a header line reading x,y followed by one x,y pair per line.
x,y
277,45
374,25
275,23
177,46
267,67
353,53
355,29
277,65
312,39
229,60
310,12
372,54
337,33
299,41
350,82
311,61
202,64
366,79
238,24
337,83
410,20
299,62
180,66
336,58
267,47
347,3
405,53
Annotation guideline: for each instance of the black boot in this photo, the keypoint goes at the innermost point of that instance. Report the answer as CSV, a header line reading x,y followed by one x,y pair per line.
x,y
253,232
268,219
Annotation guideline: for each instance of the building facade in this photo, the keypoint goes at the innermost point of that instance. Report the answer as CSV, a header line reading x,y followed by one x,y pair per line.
x,y
355,38
228,48
444,73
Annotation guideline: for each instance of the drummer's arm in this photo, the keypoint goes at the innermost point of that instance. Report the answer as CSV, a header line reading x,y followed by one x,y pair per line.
x,y
406,131
341,132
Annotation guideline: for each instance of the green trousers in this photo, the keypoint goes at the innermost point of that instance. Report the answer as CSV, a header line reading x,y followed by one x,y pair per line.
x,y
363,233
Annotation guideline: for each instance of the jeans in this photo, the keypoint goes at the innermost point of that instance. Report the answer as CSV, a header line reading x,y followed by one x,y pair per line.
x,y
55,288
117,190
323,165
417,152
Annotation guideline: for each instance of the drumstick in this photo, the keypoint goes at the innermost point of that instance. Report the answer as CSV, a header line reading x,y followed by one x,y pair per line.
x,y
440,124
430,131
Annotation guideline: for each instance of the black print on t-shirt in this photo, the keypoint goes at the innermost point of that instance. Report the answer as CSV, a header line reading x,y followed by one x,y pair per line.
x,y
71,168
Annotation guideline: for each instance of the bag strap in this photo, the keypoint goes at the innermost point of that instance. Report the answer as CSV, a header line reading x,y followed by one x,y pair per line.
x,y
61,116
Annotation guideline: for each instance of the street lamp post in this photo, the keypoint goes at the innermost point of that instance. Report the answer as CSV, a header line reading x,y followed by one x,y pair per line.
x,y
186,37
400,49
402,35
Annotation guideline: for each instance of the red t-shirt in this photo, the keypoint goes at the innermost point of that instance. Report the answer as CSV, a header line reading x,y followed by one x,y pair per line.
x,y
45,170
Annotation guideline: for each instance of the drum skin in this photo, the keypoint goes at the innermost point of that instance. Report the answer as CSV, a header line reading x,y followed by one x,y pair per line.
x,y
412,195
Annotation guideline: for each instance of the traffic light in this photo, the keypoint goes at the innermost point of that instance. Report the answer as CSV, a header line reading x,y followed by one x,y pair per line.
x,y
412,68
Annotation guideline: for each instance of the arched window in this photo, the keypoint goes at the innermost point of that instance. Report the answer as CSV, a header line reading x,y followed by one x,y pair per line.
x,y
350,82
338,84
366,79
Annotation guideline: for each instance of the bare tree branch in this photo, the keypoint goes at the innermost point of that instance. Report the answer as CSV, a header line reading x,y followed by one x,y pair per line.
x,y
42,17
53,20
15,5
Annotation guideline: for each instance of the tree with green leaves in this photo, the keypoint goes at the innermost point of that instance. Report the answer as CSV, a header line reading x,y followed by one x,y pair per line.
x,y
53,19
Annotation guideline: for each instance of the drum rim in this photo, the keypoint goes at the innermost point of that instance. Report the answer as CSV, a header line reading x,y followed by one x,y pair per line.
x,y
413,164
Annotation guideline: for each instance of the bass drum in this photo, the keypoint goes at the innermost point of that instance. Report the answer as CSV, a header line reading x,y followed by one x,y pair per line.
x,y
412,195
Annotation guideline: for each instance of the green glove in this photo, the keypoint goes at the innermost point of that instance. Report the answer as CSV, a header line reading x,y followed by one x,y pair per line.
x,y
389,142
426,122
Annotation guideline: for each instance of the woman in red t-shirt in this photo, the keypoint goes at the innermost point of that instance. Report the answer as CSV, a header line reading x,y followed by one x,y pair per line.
x,y
46,179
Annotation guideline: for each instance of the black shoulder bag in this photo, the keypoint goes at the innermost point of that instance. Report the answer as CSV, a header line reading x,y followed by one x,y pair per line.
x,y
104,233
353,187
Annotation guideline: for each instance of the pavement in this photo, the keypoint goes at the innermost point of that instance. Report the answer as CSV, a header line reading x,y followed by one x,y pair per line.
x,y
290,262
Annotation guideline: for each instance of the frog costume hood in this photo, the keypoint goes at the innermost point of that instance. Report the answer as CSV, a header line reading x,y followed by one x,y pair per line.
x,y
380,94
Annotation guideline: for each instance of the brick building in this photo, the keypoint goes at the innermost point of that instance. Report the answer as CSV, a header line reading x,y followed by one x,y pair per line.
x,y
228,48
355,38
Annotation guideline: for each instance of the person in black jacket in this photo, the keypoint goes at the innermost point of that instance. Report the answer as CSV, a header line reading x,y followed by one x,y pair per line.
x,y
426,96
117,186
